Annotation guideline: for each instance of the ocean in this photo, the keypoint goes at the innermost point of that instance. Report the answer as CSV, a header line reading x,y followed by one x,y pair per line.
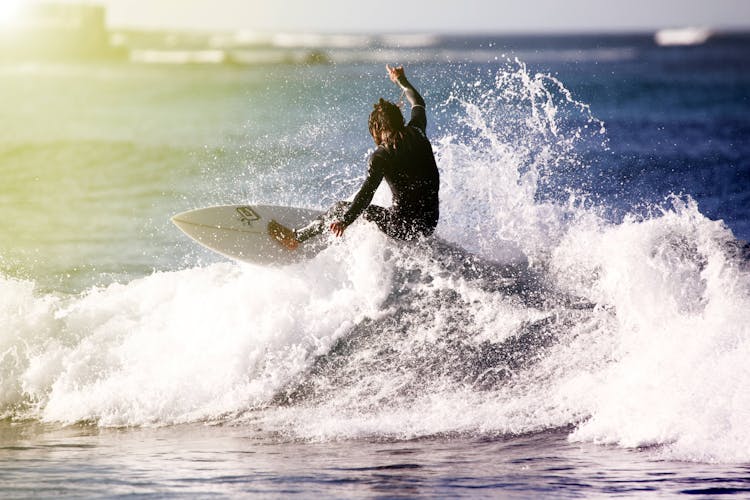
x,y
579,326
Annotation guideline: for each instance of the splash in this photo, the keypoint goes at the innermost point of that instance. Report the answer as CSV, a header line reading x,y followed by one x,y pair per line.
x,y
529,312
682,295
509,142
174,347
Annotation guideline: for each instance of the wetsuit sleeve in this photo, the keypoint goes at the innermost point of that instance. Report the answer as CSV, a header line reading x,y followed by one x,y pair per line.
x,y
418,113
367,191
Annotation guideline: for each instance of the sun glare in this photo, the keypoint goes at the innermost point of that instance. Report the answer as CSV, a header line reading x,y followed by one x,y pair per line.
x,y
9,10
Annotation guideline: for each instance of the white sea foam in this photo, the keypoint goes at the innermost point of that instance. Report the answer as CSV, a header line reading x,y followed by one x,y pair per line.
x,y
152,56
179,346
682,36
635,332
319,40
409,40
409,52
678,375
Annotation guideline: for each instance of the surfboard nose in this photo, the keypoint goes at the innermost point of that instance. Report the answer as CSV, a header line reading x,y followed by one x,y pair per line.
x,y
241,231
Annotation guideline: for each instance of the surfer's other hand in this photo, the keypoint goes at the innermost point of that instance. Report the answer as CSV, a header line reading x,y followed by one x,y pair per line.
x,y
337,228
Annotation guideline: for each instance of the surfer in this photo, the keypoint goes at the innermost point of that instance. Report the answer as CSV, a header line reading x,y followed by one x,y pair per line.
x,y
404,158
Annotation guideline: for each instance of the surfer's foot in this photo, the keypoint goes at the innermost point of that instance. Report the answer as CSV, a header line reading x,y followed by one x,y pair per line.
x,y
282,234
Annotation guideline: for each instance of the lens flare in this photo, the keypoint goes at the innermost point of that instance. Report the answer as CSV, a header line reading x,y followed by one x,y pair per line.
x,y
9,11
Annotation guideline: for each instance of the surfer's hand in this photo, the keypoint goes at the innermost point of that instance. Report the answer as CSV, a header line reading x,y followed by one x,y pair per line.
x,y
395,73
337,228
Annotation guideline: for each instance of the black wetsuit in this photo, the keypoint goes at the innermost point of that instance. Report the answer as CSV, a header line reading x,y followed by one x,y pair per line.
x,y
412,174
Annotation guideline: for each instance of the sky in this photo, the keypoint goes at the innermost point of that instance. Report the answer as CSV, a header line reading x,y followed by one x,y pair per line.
x,y
432,16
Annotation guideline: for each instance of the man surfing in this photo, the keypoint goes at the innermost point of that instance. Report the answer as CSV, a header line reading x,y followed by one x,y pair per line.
x,y
404,158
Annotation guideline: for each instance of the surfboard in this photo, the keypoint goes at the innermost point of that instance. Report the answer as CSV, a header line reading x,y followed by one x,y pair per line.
x,y
240,232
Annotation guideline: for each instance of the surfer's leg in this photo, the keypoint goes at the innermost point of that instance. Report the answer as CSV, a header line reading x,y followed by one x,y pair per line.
x,y
388,222
381,216
395,226
318,225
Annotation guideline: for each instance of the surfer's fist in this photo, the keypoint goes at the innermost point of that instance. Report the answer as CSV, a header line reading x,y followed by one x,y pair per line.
x,y
395,73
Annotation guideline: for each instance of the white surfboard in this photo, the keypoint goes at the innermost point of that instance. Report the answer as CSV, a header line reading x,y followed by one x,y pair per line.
x,y
240,232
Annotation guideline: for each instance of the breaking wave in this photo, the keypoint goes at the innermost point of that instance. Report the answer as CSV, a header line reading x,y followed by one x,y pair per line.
x,y
526,313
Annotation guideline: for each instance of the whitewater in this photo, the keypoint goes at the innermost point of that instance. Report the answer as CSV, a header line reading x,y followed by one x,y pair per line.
x,y
528,313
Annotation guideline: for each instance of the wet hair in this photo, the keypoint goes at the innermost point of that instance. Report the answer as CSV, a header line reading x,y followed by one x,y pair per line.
x,y
386,123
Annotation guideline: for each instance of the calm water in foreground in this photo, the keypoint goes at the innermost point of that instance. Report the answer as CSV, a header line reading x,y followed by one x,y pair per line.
x,y
206,461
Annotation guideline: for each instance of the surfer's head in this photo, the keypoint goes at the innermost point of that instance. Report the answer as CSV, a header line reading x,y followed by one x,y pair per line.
x,y
386,123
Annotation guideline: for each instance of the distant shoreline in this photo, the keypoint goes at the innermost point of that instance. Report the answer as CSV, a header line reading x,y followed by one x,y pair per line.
x,y
244,48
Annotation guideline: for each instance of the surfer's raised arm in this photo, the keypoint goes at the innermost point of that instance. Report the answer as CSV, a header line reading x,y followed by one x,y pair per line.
x,y
404,158
418,115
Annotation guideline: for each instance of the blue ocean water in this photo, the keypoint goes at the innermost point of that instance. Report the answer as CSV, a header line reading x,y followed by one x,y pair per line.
x,y
579,328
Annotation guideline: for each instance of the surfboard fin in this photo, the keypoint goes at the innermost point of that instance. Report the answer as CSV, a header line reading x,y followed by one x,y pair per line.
x,y
283,235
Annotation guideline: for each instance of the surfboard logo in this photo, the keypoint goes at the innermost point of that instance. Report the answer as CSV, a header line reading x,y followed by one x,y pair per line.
x,y
247,215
